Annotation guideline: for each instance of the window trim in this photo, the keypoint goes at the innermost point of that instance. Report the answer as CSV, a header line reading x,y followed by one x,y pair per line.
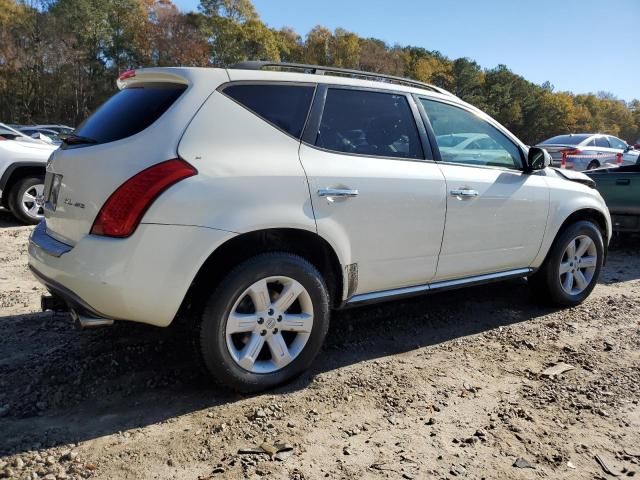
x,y
310,132
483,117
226,85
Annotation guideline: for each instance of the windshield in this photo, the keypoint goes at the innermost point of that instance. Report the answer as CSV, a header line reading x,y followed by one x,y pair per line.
x,y
573,139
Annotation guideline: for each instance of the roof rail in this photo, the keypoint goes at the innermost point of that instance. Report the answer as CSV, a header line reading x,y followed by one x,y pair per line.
x,y
321,70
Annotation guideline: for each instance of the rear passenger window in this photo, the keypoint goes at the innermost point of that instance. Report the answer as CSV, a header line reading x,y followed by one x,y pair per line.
x,y
285,106
602,142
368,123
129,111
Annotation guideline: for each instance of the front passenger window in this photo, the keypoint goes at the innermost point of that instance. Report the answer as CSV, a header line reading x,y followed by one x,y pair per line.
x,y
465,138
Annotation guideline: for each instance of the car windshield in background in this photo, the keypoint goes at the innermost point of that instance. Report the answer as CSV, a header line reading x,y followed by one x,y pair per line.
x,y
566,140
126,113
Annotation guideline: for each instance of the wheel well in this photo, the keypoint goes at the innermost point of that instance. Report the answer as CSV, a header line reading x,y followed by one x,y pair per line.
x,y
17,174
225,258
588,214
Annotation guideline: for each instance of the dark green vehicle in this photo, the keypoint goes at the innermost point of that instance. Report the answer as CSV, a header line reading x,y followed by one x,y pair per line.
x,y
620,188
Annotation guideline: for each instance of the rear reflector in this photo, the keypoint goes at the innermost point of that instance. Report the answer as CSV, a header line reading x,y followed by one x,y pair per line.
x,y
123,210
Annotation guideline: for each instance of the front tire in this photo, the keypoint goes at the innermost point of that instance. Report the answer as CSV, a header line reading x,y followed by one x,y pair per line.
x,y
265,323
26,200
572,267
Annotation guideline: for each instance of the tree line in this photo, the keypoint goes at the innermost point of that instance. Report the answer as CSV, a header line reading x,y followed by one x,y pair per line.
x,y
59,60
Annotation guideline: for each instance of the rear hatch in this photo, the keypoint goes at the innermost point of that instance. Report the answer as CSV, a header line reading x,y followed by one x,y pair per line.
x,y
140,126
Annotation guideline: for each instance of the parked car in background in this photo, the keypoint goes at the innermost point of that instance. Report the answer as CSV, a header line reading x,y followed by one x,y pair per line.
x,y
471,148
620,188
253,201
36,132
586,151
60,129
22,167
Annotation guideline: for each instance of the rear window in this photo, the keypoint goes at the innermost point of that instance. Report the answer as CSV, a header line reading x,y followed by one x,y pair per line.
x,y
566,140
284,106
129,111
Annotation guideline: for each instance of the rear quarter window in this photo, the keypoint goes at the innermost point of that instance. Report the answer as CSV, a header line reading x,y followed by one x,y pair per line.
x,y
129,111
284,106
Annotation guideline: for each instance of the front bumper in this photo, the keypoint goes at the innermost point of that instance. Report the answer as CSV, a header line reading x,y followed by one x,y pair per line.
x,y
143,278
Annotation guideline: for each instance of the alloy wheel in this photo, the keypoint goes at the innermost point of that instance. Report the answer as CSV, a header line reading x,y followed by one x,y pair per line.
x,y
33,201
578,265
269,324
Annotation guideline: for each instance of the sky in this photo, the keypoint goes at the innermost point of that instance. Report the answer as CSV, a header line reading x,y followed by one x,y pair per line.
x,y
577,45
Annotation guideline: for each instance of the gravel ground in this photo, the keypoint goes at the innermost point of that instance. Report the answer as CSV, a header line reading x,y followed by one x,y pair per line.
x,y
445,386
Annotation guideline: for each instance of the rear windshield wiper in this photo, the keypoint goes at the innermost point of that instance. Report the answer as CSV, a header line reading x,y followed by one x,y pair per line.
x,y
72,139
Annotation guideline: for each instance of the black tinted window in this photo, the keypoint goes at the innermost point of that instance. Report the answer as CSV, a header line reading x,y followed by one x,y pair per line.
x,y
285,106
129,112
369,123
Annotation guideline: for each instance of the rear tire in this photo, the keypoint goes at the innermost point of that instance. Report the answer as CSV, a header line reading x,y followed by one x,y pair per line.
x,y
25,200
593,164
265,323
572,267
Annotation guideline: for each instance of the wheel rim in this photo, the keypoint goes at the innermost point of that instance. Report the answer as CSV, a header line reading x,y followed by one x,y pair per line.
x,y
578,265
33,201
269,324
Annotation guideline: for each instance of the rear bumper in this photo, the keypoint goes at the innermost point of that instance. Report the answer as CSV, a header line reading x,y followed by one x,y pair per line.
x,y
143,278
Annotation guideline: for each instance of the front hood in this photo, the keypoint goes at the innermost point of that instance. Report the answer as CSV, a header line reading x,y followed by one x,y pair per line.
x,y
574,176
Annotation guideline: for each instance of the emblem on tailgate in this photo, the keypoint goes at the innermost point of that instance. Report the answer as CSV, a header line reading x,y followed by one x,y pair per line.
x,y
71,203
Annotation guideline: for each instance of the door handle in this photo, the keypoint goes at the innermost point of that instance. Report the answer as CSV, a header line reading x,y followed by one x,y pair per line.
x,y
464,193
623,181
332,193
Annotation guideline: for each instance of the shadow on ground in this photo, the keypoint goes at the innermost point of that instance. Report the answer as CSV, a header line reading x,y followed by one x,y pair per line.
x,y
7,219
64,385
60,385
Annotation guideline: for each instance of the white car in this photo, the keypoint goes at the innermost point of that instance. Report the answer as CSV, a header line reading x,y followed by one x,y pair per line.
x,y
587,151
251,202
22,169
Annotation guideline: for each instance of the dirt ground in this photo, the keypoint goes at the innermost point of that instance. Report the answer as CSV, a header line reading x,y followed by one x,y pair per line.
x,y
445,386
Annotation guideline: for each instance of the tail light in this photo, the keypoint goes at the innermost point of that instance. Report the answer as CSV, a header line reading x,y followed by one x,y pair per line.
x,y
123,210
566,163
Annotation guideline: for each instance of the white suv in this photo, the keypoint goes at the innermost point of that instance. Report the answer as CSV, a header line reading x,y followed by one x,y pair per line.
x,y
253,200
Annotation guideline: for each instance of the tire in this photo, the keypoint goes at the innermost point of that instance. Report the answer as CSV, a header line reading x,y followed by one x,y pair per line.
x,y
553,287
27,212
244,361
593,164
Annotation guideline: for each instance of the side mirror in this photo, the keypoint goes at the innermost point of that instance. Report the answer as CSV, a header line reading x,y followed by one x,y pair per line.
x,y
537,159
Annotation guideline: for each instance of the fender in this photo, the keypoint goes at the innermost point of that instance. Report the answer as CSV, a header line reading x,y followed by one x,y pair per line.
x,y
4,179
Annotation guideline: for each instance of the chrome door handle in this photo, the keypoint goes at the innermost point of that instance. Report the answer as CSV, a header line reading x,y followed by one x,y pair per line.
x,y
333,193
464,193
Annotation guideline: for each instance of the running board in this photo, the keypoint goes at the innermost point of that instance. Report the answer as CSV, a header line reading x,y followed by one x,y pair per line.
x,y
396,293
